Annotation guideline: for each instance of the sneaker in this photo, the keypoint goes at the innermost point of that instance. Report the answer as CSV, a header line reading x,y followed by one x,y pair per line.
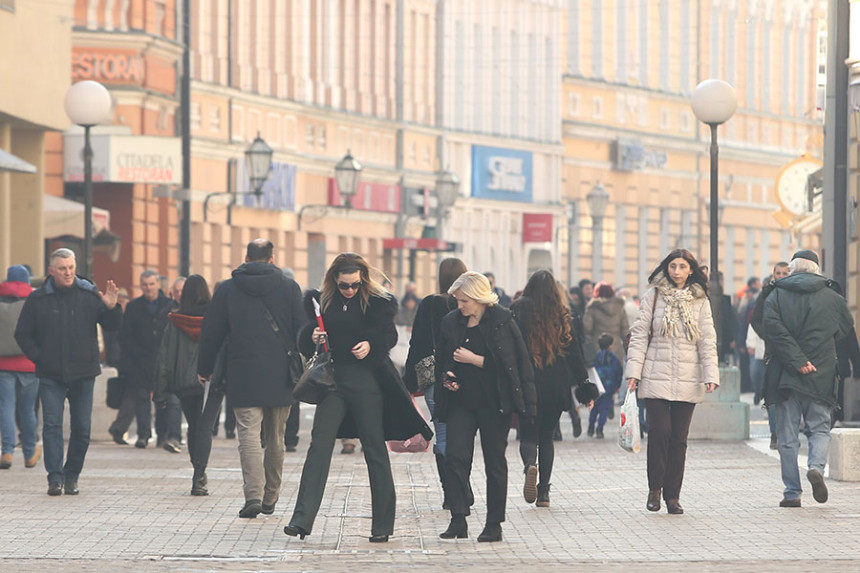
x,y
5,461
31,462
789,502
530,486
819,489
55,489
171,446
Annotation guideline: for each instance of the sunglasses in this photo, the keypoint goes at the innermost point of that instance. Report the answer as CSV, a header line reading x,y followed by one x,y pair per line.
x,y
347,286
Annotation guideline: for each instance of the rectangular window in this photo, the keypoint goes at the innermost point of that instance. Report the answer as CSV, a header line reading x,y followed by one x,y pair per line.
x,y
621,42
751,69
515,88
715,72
800,79
459,74
597,38
766,65
478,109
786,70
496,75
643,44
573,38
532,131
686,48
664,44
731,47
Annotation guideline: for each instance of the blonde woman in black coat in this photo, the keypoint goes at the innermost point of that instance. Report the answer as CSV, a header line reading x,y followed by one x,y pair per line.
x,y
483,375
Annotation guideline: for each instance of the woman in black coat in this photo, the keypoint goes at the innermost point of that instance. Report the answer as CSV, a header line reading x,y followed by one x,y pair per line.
x,y
425,334
370,401
483,375
544,320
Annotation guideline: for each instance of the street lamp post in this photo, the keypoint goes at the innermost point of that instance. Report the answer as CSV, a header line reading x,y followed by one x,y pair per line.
x,y
259,157
347,174
447,191
598,201
88,103
714,102
571,229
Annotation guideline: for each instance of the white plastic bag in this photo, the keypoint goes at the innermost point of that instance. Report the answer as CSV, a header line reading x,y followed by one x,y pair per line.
x,y
594,377
628,437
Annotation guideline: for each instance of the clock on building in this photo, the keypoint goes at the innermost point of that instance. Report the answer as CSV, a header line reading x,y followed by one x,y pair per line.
x,y
791,184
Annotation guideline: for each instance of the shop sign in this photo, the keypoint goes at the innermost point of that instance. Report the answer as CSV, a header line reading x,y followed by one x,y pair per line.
x,y
108,67
537,227
278,192
501,174
125,159
382,197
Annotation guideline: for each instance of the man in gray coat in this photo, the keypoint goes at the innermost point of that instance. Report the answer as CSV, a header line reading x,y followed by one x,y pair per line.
x,y
803,319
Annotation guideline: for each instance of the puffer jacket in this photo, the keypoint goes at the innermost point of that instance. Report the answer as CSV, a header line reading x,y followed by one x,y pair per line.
x,y
606,315
672,367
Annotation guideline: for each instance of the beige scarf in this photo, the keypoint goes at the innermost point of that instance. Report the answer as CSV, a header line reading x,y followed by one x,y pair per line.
x,y
679,313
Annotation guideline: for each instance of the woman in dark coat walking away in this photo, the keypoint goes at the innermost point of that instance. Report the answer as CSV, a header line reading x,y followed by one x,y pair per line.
x,y
544,320
483,375
425,333
176,373
370,401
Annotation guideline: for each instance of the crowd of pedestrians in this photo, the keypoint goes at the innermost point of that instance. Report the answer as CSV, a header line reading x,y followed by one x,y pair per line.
x,y
484,361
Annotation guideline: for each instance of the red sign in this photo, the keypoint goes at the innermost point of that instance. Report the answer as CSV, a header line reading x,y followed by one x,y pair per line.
x,y
110,67
537,228
369,197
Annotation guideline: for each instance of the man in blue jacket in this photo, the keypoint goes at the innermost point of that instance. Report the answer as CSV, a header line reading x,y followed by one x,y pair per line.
x,y
57,331
250,307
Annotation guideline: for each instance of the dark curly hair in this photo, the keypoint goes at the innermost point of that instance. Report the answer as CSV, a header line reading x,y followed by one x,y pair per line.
x,y
544,318
697,276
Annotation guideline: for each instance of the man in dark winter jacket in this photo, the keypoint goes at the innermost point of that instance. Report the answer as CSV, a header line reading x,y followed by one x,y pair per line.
x,y
803,319
250,307
142,326
57,331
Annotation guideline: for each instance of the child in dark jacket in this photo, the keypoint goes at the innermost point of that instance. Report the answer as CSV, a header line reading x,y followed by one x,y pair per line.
x,y
609,369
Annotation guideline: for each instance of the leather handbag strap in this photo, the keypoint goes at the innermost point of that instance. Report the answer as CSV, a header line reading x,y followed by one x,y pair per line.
x,y
277,329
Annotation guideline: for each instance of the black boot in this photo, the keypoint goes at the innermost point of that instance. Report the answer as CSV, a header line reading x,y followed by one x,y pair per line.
x,y
492,532
457,529
198,484
543,495
440,468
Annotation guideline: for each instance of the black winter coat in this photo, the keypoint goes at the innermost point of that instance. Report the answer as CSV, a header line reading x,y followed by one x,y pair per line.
x,y
508,363
140,338
425,333
256,362
401,420
553,381
61,339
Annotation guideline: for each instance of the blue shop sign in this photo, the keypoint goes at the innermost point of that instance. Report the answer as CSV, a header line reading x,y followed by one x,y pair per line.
x,y
501,174
278,192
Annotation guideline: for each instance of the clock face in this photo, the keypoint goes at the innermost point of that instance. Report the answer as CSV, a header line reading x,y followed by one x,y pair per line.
x,y
791,191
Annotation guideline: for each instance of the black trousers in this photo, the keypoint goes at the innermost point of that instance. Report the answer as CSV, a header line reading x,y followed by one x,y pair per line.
x,y
463,424
536,440
200,423
291,434
136,403
668,426
359,396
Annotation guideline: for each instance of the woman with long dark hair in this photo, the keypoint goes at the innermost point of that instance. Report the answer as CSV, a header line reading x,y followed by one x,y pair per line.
x,y
543,316
425,333
370,402
672,359
176,373
483,375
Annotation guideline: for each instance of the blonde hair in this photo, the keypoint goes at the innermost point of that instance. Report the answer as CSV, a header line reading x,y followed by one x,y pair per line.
x,y
347,263
475,286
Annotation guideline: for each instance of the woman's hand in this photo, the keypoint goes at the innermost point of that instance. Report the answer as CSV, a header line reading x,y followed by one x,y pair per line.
x,y
710,387
317,336
450,382
361,350
590,405
632,384
466,356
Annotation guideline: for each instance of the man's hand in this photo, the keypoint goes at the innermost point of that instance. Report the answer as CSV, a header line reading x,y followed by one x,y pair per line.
x,y
807,368
110,295
203,380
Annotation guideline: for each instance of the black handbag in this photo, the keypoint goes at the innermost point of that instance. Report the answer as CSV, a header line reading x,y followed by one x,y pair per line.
x,y
318,378
115,391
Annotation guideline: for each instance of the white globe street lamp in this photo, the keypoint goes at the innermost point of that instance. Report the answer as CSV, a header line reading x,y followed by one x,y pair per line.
x,y
714,102
597,200
88,103
447,191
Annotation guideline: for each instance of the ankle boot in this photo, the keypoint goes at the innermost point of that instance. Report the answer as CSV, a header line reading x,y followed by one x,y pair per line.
x,y
492,532
457,529
440,468
543,495
653,503
198,485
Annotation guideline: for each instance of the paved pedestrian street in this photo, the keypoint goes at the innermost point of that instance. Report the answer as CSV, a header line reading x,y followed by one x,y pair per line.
x,y
134,513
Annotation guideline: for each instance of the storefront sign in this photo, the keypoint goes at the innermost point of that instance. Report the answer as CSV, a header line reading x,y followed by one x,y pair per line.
x,y
278,192
382,197
109,67
501,174
537,227
125,158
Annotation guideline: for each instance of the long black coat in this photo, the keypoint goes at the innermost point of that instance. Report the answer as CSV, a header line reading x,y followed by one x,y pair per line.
x,y
508,360
425,332
401,420
140,339
62,339
568,369
256,362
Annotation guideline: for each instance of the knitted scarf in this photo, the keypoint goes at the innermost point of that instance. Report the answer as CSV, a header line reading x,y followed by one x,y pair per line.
x,y
679,312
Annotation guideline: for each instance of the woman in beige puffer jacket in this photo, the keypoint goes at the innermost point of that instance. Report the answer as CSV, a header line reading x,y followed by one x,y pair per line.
x,y
674,369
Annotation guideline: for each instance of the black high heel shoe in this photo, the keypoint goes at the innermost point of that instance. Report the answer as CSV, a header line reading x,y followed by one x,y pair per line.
x,y
379,538
296,531
457,529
